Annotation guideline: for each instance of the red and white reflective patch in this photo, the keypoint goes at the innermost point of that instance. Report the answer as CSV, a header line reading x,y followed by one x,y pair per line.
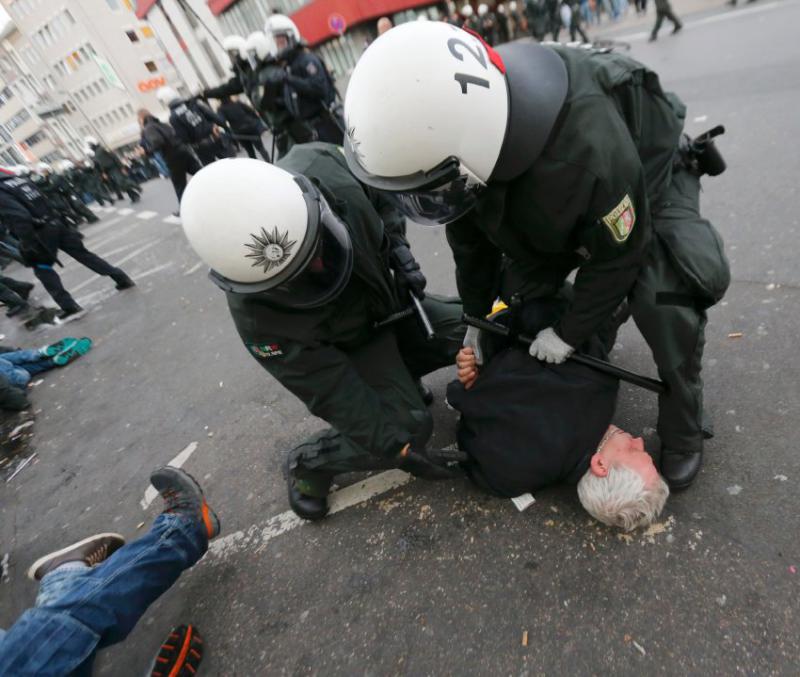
x,y
621,219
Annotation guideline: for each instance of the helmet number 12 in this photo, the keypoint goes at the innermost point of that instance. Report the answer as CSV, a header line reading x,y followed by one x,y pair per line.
x,y
465,79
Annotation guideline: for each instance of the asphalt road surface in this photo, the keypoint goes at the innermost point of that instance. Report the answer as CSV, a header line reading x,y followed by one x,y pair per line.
x,y
415,578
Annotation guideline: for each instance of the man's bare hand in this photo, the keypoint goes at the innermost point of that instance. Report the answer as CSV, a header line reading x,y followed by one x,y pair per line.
x,y
467,367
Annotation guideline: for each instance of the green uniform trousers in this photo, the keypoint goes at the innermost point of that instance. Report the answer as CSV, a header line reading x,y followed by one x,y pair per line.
x,y
669,309
391,363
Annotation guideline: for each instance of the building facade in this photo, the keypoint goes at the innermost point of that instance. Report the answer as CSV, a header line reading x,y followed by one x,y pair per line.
x,y
33,126
97,60
338,30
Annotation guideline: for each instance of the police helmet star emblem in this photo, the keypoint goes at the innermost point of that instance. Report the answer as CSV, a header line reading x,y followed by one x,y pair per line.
x,y
270,250
354,144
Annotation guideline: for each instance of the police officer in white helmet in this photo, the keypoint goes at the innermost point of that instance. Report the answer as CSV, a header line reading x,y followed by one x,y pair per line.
x,y
309,91
311,263
546,159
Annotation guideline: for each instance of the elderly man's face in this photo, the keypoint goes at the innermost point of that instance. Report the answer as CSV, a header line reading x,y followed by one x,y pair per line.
x,y
621,448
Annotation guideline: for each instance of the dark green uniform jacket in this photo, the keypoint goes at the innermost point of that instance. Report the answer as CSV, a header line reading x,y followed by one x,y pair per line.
x,y
585,203
307,350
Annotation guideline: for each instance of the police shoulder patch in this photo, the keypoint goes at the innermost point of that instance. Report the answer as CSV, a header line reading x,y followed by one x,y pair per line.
x,y
265,350
311,68
621,219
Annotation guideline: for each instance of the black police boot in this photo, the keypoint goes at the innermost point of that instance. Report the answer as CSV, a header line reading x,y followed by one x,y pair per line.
x,y
24,289
425,392
71,312
308,507
16,310
679,468
124,282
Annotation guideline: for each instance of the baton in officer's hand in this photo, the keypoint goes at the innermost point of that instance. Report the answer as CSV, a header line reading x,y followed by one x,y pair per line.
x,y
652,384
423,317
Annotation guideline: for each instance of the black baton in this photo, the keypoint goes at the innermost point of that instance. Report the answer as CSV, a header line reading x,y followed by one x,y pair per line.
x,y
645,382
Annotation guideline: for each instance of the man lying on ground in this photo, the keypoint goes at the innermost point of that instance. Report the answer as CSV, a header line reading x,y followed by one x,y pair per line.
x,y
17,367
527,424
93,592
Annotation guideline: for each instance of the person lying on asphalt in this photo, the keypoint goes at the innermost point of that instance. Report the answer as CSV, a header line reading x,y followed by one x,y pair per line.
x,y
93,593
527,424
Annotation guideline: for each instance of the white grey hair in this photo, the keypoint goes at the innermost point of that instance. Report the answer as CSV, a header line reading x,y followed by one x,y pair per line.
x,y
621,499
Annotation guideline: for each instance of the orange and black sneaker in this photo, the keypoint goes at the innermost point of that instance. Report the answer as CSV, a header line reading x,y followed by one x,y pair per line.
x,y
180,653
183,496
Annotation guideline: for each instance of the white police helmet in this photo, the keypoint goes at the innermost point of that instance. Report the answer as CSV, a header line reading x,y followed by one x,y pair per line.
x,y
166,95
434,124
263,230
280,24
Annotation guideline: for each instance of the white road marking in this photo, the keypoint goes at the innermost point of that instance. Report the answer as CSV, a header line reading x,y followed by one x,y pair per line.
x,y
172,219
258,535
725,16
138,251
194,268
177,462
145,216
125,211
152,271
93,230
116,263
124,230
118,249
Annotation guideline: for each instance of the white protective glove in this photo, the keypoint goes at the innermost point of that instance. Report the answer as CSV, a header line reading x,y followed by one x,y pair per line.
x,y
472,339
549,347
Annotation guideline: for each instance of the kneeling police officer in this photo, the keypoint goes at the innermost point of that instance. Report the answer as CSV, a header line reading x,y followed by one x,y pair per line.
x,y
311,261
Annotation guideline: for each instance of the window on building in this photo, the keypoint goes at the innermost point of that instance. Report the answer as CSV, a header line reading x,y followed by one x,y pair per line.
x,y
113,4
70,20
90,49
33,139
129,108
97,89
84,53
5,95
151,66
19,119
104,83
115,113
132,36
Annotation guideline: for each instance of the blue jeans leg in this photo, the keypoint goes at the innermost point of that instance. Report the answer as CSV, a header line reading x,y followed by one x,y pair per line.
x,y
15,375
80,611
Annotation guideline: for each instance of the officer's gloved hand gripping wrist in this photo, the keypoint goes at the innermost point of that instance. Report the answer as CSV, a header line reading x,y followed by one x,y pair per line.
x,y
472,339
407,271
550,347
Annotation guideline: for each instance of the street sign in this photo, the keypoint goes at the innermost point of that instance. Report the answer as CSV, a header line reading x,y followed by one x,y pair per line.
x,y
337,23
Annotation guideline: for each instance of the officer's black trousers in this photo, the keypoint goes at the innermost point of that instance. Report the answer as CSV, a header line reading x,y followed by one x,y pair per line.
x,y
69,242
118,182
660,16
10,290
180,163
391,364
663,306
252,145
